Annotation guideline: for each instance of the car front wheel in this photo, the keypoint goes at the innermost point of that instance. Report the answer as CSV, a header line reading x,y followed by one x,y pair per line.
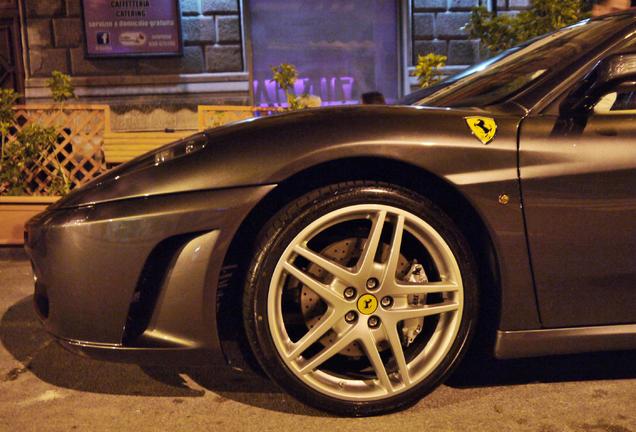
x,y
361,297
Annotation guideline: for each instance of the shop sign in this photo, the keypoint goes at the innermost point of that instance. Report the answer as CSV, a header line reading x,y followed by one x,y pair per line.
x,y
116,28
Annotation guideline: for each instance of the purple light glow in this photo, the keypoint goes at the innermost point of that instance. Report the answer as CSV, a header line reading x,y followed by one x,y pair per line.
x,y
331,90
341,48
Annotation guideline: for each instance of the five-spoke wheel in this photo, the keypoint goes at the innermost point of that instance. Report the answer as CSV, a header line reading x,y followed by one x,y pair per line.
x,y
360,299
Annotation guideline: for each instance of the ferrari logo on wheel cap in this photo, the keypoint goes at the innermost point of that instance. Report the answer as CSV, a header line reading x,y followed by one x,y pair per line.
x,y
367,304
484,128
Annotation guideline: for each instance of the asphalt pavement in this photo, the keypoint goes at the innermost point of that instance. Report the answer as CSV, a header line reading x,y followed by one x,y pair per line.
x,y
45,388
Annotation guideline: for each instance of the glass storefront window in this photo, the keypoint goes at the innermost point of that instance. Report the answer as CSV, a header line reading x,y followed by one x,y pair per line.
x,y
341,48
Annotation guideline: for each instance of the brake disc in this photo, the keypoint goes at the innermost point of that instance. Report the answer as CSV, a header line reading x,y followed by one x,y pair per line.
x,y
312,306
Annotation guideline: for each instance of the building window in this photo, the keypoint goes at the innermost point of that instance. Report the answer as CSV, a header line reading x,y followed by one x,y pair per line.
x,y
341,48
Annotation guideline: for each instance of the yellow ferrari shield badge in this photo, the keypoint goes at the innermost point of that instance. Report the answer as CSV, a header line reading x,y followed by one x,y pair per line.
x,y
484,128
367,304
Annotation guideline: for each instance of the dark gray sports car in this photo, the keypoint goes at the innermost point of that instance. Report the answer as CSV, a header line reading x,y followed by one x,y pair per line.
x,y
352,250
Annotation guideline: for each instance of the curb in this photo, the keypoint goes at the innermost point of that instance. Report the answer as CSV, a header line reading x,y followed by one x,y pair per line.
x,y
13,253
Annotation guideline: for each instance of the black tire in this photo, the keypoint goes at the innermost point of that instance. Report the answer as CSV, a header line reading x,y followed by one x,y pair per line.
x,y
285,225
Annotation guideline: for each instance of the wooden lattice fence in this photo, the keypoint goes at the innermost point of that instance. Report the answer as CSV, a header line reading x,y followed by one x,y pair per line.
x,y
78,148
211,116
81,129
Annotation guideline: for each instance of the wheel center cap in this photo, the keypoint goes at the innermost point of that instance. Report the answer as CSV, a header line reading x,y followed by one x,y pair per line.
x,y
367,304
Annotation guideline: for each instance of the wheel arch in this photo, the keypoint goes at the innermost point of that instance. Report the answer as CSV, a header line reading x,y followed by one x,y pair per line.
x,y
399,173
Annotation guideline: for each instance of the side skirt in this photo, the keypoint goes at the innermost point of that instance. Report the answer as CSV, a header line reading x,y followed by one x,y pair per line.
x,y
536,343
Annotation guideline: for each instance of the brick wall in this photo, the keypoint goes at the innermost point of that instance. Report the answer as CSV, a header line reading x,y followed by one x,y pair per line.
x,y
437,27
210,29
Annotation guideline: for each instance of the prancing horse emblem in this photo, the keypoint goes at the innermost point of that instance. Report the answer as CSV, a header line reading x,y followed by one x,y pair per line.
x,y
367,304
483,128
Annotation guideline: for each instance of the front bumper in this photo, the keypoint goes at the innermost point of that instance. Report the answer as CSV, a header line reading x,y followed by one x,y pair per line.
x,y
136,279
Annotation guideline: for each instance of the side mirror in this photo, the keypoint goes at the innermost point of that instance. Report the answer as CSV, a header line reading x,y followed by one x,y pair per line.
x,y
610,72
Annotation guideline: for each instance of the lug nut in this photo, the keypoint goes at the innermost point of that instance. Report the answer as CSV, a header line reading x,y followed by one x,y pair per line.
x,y
373,283
374,322
386,301
351,317
349,293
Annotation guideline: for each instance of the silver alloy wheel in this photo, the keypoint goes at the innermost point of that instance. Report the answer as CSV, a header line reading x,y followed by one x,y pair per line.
x,y
377,325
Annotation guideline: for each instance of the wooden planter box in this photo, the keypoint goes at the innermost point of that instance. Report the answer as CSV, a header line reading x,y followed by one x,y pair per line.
x,y
15,211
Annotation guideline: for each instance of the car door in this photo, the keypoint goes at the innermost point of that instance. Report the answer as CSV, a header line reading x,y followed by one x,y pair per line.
x,y
578,180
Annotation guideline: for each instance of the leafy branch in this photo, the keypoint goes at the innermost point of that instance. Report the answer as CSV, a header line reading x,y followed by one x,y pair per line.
x,y
428,70
500,32
61,87
285,75
31,148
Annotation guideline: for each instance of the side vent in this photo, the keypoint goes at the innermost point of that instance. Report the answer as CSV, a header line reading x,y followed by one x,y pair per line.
x,y
149,285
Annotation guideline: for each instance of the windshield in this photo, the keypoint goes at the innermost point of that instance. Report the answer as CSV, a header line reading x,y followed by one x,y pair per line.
x,y
514,70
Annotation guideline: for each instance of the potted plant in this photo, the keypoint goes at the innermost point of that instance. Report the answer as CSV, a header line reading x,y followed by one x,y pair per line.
x,y
285,76
27,155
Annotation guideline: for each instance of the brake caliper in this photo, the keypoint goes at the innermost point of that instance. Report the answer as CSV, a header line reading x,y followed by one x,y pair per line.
x,y
413,326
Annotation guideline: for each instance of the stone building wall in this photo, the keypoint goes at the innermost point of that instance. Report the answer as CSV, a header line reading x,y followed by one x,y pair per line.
x,y
144,92
210,30
153,93
437,28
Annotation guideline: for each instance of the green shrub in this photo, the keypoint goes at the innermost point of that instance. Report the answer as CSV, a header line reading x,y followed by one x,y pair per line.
x,y
31,148
61,87
8,98
503,31
427,69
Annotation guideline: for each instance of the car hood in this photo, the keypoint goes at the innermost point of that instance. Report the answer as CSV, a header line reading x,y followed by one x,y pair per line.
x,y
267,150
